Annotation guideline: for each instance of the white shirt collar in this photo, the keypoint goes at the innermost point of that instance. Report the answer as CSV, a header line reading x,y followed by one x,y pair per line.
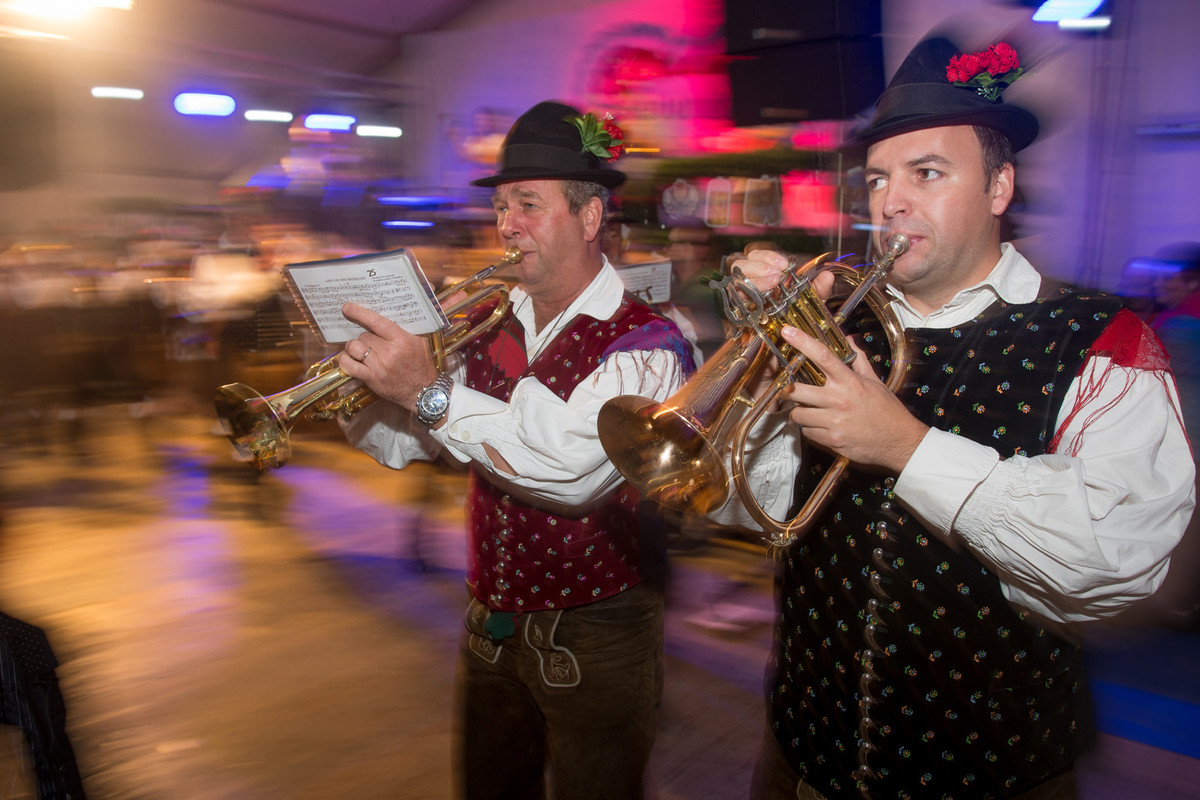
x,y
1013,280
600,300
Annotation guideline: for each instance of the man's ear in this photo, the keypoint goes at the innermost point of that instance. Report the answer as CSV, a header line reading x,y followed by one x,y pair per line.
x,y
1003,184
592,215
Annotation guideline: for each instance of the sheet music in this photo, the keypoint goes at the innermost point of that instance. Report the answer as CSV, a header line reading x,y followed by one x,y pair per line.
x,y
650,280
391,284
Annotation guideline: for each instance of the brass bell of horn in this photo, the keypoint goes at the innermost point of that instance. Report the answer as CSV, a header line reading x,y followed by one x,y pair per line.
x,y
674,452
259,427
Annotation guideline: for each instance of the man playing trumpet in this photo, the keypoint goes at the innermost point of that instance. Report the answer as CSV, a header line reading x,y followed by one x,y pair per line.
x,y
562,655
1031,472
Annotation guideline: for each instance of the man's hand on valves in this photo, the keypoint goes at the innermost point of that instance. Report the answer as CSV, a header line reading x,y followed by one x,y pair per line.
x,y
853,414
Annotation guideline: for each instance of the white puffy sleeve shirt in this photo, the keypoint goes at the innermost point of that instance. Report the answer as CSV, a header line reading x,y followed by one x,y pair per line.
x,y
1072,538
553,446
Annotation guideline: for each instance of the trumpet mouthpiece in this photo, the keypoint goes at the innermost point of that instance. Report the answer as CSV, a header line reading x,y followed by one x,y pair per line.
x,y
896,245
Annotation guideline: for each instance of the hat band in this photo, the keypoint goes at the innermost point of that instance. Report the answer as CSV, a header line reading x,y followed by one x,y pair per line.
x,y
545,157
911,99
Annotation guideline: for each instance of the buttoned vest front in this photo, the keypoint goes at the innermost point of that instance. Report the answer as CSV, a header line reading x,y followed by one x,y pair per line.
x,y
899,668
523,558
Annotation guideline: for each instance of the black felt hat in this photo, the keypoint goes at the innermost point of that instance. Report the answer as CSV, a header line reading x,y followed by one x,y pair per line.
x,y
543,145
921,96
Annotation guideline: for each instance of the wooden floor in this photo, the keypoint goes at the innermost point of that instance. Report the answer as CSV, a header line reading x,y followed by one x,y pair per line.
x,y
291,637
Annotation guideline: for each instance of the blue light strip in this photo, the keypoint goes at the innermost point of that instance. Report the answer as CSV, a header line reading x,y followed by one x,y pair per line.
x,y
415,201
1059,10
406,223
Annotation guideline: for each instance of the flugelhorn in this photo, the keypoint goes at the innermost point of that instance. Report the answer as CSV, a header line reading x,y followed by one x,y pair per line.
x,y
259,427
674,452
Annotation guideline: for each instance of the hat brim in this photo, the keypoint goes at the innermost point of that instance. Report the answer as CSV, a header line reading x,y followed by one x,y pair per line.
x,y
1017,124
609,178
937,106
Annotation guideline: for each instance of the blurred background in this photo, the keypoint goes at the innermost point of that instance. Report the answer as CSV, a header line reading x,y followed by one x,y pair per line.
x,y
225,634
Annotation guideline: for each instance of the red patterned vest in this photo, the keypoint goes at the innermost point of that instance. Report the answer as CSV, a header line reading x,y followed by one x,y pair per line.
x,y
523,558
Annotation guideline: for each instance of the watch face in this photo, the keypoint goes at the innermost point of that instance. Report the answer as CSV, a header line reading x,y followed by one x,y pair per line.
x,y
434,403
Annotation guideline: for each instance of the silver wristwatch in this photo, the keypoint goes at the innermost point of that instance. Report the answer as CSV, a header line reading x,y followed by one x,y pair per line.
x,y
434,400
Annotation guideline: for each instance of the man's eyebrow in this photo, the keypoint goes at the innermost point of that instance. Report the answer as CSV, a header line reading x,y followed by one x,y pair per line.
x,y
912,163
929,158
519,194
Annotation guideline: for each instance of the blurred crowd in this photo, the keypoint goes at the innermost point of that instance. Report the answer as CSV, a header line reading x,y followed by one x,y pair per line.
x,y
154,307
140,308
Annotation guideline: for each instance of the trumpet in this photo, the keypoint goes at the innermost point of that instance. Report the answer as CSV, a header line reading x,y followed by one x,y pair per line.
x,y
259,427
673,452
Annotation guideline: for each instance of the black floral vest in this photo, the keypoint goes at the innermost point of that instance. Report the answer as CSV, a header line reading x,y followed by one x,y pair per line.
x,y
899,669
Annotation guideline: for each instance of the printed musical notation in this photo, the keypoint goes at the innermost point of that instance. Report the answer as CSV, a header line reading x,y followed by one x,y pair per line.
x,y
391,284
650,280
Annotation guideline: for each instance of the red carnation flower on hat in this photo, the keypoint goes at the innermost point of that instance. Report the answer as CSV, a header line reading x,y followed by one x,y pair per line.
x,y
963,68
1003,58
617,147
989,71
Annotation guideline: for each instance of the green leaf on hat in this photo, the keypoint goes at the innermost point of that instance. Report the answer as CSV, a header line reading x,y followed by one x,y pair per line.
x,y
595,137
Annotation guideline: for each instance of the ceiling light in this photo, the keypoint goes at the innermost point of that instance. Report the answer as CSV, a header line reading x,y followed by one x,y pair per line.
x,y
329,122
387,131
64,9
118,92
204,105
1089,24
263,115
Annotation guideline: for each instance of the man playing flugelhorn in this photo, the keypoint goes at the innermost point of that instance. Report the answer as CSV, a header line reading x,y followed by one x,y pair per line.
x,y
1031,472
